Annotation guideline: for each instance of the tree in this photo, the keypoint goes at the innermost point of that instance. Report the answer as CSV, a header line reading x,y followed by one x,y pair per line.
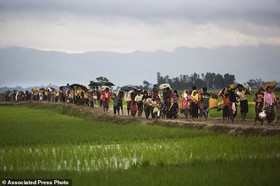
x,y
254,83
219,81
93,84
160,79
146,85
102,80
229,79
209,79
99,82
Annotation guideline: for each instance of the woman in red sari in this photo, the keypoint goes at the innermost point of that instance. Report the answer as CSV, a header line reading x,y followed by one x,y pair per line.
x,y
106,98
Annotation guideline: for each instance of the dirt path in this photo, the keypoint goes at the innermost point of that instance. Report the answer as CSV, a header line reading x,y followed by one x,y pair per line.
x,y
216,124
211,121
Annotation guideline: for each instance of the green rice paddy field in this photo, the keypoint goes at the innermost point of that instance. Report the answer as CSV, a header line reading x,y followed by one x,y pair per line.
x,y
42,144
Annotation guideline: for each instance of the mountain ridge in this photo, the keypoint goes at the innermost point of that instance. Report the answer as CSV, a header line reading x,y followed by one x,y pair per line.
x,y
28,67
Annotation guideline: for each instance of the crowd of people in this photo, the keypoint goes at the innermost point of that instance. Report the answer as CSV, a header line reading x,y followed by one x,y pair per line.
x,y
162,102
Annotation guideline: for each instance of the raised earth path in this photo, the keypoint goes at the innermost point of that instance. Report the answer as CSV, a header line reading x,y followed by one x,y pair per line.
x,y
247,127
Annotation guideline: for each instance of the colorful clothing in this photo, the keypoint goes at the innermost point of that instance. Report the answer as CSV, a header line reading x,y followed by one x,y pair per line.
x,y
269,98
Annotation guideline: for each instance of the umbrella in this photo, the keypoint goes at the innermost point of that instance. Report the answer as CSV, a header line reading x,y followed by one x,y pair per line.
x,y
62,87
269,84
164,86
129,92
104,87
109,84
79,86
90,90
127,88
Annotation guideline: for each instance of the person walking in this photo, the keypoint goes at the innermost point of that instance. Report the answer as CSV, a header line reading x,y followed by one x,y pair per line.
x,y
205,96
106,97
128,100
185,103
242,95
174,108
226,111
194,103
232,104
120,100
269,104
147,100
91,101
259,100
116,107
139,100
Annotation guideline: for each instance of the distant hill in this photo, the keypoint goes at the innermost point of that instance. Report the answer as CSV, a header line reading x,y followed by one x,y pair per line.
x,y
28,67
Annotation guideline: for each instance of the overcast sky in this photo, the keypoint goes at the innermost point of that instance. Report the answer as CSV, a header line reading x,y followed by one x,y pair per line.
x,y
126,26
137,25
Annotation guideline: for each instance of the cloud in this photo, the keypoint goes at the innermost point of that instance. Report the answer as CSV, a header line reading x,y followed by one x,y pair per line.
x,y
257,11
76,34
126,26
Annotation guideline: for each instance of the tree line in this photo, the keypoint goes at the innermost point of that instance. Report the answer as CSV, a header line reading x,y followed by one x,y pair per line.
x,y
209,80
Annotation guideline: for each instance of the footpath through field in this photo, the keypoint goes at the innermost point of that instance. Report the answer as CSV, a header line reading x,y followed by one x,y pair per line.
x,y
249,126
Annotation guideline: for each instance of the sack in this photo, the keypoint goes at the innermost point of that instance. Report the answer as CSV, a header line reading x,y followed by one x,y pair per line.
x,y
262,115
155,110
149,102
213,103
128,98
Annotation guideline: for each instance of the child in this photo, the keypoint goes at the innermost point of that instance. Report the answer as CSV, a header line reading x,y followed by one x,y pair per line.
x,y
205,96
232,104
258,99
185,103
226,112
116,105
120,100
172,111
156,110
